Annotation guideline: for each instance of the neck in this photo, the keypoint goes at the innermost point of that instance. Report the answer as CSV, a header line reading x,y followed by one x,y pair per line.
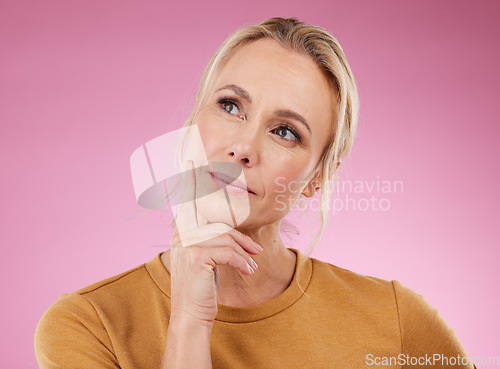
x,y
276,268
275,273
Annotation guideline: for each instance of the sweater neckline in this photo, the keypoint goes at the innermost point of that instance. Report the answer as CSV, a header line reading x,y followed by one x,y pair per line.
x,y
233,314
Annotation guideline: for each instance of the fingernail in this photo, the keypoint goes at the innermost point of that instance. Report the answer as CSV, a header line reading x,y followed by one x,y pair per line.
x,y
250,269
254,264
257,246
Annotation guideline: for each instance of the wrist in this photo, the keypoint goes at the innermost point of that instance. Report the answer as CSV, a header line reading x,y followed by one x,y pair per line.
x,y
188,343
188,322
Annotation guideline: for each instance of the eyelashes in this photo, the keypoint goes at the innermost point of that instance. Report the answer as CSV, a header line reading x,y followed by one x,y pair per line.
x,y
227,104
288,127
227,101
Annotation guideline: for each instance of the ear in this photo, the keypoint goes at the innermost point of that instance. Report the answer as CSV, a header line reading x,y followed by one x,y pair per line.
x,y
312,186
338,165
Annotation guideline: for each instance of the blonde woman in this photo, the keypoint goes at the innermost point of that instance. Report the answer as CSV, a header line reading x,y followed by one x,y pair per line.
x,y
277,100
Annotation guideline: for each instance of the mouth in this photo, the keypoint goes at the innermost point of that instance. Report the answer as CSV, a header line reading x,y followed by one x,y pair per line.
x,y
225,180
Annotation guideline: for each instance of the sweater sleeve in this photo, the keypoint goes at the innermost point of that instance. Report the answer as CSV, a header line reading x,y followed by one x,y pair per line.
x,y
425,334
71,334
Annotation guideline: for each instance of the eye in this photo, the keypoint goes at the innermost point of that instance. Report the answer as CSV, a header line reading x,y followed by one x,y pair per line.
x,y
229,106
287,133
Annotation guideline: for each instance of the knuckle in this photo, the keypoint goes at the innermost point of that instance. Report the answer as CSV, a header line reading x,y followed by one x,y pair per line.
x,y
228,253
221,228
194,255
227,239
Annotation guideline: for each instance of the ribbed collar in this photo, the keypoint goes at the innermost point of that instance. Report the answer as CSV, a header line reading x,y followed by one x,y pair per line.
x,y
232,314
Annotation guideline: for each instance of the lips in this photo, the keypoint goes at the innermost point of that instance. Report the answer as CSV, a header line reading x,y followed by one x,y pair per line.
x,y
231,181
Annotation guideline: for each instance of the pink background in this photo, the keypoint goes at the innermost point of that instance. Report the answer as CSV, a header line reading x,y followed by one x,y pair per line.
x,y
84,83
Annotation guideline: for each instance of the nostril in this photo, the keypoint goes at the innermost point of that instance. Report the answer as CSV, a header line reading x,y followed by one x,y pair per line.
x,y
241,158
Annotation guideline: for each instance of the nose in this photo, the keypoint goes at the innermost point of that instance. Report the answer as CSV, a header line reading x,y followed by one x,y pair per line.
x,y
245,147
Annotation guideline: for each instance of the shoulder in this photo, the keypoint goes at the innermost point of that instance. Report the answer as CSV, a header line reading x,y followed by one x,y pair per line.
x,y
69,331
78,323
338,278
333,277
422,330
98,295
405,302
116,283
88,301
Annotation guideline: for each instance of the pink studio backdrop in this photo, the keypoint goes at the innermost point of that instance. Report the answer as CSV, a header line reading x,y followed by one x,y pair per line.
x,y
84,83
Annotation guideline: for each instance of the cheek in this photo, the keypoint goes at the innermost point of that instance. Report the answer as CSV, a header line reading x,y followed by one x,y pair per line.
x,y
286,183
212,136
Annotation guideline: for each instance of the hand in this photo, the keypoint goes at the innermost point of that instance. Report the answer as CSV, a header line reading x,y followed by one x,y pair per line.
x,y
195,254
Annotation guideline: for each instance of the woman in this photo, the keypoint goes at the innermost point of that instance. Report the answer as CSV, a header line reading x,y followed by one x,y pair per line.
x,y
277,101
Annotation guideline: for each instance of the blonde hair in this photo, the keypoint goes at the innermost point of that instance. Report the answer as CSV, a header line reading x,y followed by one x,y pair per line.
x,y
325,50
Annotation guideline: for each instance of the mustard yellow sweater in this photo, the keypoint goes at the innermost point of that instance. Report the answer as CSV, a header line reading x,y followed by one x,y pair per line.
x,y
345,321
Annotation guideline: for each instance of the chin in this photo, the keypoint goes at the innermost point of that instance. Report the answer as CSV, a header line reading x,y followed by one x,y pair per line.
x,y
216,209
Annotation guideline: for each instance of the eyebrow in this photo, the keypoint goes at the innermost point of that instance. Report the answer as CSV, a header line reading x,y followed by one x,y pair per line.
x,y
293,115
238,91
241,92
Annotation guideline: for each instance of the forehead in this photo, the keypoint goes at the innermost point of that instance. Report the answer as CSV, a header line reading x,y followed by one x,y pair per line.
x,y
280,77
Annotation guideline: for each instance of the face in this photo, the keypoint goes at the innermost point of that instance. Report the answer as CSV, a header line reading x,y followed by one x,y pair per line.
x,y
269,112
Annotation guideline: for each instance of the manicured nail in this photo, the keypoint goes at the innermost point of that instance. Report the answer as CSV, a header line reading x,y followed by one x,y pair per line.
x,y
250,269
257,246
254,264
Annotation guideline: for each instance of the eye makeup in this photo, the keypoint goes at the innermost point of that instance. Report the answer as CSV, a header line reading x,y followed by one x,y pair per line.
x,y
227,101
291,129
